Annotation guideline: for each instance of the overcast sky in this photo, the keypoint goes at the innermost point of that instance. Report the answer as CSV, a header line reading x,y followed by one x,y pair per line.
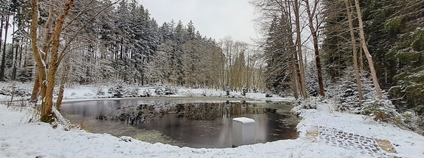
x,y
212,18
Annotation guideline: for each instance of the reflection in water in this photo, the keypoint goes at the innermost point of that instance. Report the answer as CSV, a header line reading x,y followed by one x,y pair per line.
x,y
181,122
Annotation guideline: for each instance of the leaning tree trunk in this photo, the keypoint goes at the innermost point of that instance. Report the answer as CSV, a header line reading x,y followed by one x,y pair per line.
x,y
355,58
367,53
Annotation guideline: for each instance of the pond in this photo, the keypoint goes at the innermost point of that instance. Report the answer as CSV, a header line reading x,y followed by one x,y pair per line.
x,y
191,122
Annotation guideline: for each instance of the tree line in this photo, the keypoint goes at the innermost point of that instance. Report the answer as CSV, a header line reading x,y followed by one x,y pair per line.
x,y
56,42
85,42
124,43
394,36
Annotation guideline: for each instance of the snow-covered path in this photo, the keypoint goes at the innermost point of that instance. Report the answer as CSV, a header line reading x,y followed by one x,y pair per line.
x,y
339,138
360,133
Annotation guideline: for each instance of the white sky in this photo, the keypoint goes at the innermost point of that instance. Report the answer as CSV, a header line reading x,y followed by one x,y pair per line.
x,y
212,18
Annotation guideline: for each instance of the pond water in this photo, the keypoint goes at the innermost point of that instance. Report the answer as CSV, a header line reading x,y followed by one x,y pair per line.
x,y
192,122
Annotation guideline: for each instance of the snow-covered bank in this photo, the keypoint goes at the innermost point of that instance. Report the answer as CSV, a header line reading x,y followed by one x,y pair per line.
x,y
330,137
40,139
19,139
91,92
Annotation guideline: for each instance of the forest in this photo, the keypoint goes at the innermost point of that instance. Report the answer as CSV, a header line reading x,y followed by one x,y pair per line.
x,y
390,46
367,46
123,42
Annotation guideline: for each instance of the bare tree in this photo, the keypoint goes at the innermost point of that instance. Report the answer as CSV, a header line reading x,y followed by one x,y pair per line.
x,y
296,9
312,13
49,58
289,16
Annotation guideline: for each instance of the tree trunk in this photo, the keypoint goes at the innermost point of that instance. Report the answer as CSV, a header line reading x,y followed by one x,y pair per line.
x,y
316,48
47,88
367,53
41,73
293,77
355,58
46,113
14,53
3,59
15,61
35,89
21,48
40,64
299,50
361,59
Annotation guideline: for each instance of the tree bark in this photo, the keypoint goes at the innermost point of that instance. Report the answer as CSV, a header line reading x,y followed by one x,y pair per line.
x,y
315,40
367,53
355,58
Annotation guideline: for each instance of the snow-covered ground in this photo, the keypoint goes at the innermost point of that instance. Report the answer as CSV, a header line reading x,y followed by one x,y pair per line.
x,y
322,133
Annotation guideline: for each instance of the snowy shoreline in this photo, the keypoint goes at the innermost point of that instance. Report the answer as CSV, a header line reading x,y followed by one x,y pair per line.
x,y
318,137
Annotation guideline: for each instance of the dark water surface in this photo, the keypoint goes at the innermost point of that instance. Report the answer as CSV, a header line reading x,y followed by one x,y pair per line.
x,y
192,122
